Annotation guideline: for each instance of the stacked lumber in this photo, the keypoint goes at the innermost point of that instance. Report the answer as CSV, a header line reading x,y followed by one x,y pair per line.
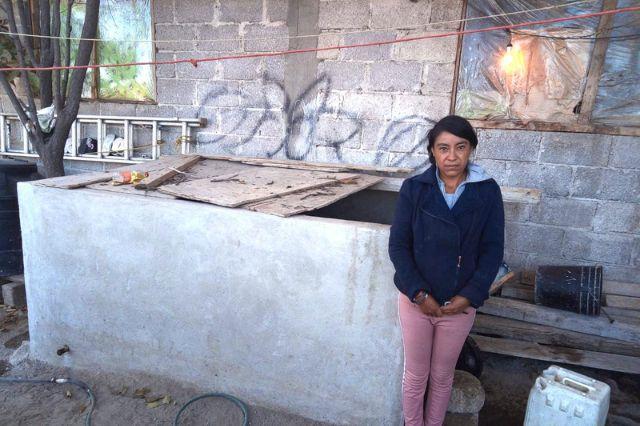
x,y
511,324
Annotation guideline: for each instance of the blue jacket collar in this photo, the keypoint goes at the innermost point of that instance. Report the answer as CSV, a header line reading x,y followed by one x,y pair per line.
x,y
434,203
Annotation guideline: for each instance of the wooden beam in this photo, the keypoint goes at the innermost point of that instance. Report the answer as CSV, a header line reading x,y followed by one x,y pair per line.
x,y
601,360
625,302
505,327
518,291
502,281
509,194
166,168
540,126
621,289
596,65
600,326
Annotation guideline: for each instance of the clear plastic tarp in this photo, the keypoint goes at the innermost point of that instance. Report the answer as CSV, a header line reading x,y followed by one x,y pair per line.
x,y
618,98
532,73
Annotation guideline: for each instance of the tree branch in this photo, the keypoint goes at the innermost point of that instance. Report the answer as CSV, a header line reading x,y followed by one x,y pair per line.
x,y
17,104
46,54
55,31
67,58
26,24
31,122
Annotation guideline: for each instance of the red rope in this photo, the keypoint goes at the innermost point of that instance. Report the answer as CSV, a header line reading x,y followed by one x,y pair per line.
x,y
195,62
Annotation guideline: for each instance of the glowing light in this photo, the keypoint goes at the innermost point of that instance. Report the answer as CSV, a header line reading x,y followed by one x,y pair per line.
x,y
512,61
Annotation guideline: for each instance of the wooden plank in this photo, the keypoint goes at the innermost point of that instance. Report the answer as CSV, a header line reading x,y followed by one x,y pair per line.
x,y
528,277
252,185
509,194
541,126
630,315
127,189
312,199
300,167
620,288
518,291
535,314
505,327
625,302
344,167
76,181
171,166
596,65
496,285
601,360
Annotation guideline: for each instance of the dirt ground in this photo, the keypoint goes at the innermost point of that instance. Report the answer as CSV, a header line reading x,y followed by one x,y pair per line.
x,y
507,381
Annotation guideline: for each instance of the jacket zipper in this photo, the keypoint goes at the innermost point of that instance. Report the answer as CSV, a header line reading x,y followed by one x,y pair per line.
x,y
455,284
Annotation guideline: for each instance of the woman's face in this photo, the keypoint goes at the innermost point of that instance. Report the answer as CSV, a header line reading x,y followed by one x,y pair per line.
x,y
451,153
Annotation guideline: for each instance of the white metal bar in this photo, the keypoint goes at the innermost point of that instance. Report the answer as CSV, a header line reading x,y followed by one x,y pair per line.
x,y
25,139
154,141
99,137
183,142
127,140
74,139
3,134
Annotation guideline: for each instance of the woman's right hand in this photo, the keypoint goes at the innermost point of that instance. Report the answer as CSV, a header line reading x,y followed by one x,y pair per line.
x,y
430,307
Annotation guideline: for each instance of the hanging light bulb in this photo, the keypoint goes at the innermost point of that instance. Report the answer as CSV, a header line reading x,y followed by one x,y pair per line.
x,y
512,61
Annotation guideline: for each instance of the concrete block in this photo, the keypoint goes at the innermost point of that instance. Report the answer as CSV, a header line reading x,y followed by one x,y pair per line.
x,y
607,184
564,212
440,50
628,274
399,13
251,122
343,14
343,75
445,10
241,11
163,11
204,70
195,11
438,78
497,169
261,94
365,158
14,294
166,70
176,92
256,147
367,106
326,40
517,212
148,110
613,216
507,145
372,53
420,107
625,152
397,136
115,108
418,162
218,94
605,248
273,68
393,76
569,148
21,354
218,32
277,10
166,33
275,38
89,108
338,132
533,238
467,394
552,180
241,69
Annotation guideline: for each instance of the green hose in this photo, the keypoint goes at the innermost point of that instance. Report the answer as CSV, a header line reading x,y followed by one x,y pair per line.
x,y
240,404
82,385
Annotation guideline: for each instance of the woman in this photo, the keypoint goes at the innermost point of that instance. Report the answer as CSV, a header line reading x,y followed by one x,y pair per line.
x,y
446,243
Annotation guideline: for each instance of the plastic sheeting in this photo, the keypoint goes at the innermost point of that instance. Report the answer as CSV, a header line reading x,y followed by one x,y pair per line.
x,y
542,77
618,98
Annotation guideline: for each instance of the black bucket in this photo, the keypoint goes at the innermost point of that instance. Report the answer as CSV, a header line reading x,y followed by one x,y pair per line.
x,y
571,288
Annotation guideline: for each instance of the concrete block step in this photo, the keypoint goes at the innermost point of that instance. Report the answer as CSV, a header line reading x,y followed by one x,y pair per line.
x,y
14,294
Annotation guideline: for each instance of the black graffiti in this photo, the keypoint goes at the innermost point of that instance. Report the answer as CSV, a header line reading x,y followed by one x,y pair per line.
x,y
301,117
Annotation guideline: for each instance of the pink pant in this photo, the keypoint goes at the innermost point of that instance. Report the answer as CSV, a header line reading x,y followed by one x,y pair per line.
x,y
431,349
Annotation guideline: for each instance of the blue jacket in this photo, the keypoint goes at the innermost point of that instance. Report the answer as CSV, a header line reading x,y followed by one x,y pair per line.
x,y
447,252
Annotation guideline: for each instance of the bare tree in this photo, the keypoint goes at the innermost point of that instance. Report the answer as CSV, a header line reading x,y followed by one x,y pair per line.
x,y
58,87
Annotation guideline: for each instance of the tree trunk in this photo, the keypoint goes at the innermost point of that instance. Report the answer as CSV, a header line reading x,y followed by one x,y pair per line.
x,y
52,156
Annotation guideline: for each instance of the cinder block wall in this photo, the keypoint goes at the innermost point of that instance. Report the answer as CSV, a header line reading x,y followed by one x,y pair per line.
x,y
375,105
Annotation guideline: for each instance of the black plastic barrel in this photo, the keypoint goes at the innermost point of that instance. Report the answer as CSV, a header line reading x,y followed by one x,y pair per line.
x,y
11,172
571,288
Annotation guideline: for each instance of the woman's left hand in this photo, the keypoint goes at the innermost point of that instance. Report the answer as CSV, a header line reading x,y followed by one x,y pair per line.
x,y
458,305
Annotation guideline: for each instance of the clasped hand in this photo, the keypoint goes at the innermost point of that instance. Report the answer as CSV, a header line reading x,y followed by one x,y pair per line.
x,y
457,305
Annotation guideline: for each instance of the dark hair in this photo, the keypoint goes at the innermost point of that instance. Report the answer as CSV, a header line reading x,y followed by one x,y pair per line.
x,y
455,125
